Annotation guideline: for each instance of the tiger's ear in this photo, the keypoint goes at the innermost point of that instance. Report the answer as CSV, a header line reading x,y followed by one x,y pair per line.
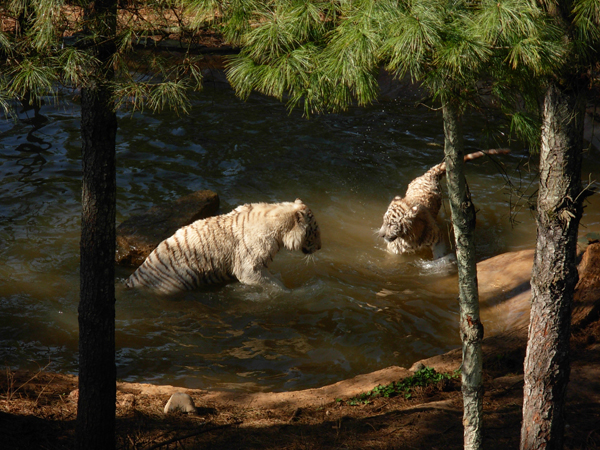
x,y
300,216
300,212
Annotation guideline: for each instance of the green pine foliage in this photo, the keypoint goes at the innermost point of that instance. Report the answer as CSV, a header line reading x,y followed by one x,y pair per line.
x,y
25,72
44,16
326,55
234,17
350,58
5,98
586,31
75,65
413,30
33,76
521,35
52,46
281,43
533,44
322,55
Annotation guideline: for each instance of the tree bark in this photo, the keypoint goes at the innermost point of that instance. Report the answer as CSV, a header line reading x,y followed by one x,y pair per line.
x,y
471,329
97,370
554,273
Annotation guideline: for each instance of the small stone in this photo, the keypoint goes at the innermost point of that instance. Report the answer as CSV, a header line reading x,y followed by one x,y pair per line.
x,y
74,395
417,366
180,402
126,400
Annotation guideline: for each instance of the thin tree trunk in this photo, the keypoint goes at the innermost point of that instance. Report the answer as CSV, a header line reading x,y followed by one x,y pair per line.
x,y
554,273
97,370
471,329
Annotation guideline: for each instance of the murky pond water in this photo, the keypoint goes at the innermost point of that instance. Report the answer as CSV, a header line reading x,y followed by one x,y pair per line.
x,y
352,308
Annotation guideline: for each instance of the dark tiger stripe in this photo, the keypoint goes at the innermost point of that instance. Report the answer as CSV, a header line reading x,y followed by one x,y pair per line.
x,y
208,250
199,256
201,272
161,277
210,260
173,266
243,233
192,259
188,268
162,270
153,277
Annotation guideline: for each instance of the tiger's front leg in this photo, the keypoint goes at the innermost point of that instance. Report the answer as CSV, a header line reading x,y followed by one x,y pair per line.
x,y
261,276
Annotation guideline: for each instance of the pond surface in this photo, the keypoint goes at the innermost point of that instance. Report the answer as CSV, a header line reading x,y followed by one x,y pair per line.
x,y
352,308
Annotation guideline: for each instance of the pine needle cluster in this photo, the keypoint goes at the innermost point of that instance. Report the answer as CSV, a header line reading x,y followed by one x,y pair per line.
x,y
325,55
50,47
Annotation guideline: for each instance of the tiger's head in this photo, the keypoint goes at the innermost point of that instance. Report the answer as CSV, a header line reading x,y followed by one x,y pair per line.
x,y
305,234
312,234
399,220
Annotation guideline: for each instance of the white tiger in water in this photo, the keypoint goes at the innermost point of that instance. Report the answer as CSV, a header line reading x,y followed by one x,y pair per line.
x,y
238,245
409,224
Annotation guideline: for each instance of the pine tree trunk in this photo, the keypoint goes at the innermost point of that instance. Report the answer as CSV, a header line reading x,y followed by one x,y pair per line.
x,y
97,370
471,329
554,273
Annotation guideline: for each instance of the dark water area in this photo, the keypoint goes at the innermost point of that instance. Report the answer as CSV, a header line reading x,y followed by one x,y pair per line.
x,y
351,309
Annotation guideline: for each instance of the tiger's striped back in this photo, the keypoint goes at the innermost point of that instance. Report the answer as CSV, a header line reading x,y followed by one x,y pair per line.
x,y
238,245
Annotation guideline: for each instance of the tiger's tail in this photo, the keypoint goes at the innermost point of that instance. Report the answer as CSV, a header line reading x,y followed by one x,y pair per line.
x,y
440,169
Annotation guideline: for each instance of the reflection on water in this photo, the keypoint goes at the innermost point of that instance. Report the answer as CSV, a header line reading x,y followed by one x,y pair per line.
x,y
29,155
352,309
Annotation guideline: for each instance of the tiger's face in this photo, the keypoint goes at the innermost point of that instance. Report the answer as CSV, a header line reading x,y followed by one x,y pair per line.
x,y
303,232
312,234
398,220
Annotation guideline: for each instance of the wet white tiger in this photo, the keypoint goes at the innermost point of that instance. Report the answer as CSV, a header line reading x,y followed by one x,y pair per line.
x,y
409,224
238,245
